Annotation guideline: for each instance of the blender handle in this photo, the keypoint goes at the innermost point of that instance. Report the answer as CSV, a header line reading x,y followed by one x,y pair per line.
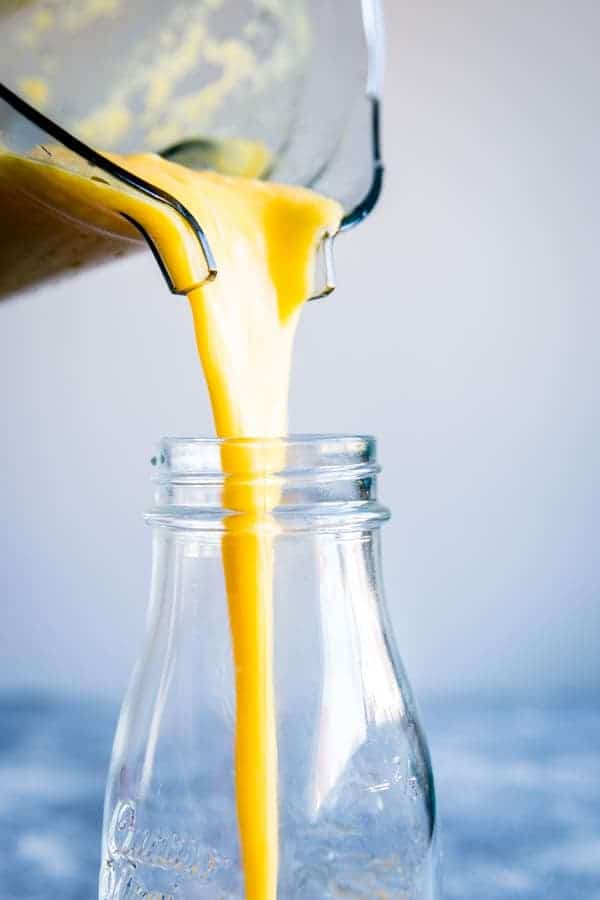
x,y
125,177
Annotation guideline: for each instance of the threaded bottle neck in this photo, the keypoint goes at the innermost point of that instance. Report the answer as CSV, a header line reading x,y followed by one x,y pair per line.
x,y
305,482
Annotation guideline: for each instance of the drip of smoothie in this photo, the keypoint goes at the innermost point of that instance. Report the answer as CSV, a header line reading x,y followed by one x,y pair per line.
x,y
264,237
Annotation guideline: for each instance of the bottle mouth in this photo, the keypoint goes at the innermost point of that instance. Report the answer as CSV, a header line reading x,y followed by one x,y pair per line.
x,y
200,458
305,481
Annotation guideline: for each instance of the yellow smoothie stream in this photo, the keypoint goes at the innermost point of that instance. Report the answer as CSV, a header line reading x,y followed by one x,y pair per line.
x,y
264,237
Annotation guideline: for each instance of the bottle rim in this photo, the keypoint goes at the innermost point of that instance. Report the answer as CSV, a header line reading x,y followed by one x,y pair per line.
x,y
203,459
301,482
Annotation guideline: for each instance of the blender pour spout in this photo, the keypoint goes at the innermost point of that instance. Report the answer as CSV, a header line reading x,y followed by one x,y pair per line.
x,y
325,266
125,177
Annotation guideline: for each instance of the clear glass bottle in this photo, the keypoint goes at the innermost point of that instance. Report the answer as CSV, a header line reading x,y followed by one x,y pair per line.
x,y
356,804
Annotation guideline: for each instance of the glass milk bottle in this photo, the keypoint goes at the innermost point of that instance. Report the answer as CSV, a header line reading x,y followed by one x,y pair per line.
x,y
355,796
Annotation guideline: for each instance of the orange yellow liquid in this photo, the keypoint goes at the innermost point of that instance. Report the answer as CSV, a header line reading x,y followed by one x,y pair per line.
x,y
264,238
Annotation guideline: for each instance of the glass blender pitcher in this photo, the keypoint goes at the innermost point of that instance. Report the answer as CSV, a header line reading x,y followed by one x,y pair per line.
x,y
280,89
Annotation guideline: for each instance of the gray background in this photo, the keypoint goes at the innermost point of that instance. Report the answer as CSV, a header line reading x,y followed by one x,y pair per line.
x,y
464,334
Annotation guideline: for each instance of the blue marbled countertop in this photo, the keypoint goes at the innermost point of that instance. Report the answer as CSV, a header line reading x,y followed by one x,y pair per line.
x,y
519,791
